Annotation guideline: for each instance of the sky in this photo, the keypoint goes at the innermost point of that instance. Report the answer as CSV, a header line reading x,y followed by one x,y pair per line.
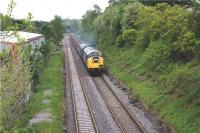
x,y
46,9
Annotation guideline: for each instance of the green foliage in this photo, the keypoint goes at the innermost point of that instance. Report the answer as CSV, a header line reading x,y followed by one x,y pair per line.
x,y
27,24
88,18
16,72
168,44
16,76
170,2
129,16
45,50
39,57
143,39
162,22
197,49
6,21
50,80
128,37
58,29
156,55
195,22
114,21
17,80
88,22
118,2
47,30
120,41
72,25
184,82
54,30
177,110
15,87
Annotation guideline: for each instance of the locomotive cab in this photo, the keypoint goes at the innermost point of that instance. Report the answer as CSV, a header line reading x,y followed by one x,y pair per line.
x,y
91,57
95,64
93,60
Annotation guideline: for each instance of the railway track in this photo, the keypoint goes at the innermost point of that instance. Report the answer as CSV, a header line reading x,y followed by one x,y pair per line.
x,y
121,114
69,114
83,116
122,117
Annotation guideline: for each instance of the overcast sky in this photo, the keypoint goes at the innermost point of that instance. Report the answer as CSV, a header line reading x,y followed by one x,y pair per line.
x,y
46,9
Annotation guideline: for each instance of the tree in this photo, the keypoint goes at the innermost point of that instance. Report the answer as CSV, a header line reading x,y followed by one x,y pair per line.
x,y
97,9
72,25
89,17
6,22
47,30
45,50
28,25
58,28
111,2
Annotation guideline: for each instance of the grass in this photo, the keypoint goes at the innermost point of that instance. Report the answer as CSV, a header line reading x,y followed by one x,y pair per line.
x,y
124,63
51,79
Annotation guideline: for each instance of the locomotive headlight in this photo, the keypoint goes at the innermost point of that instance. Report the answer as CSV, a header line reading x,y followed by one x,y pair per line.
x,y
95,61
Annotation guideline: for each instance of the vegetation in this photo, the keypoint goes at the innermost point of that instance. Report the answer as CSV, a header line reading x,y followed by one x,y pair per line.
x,y
16,74
58,29
54,30
49,88
87,24
20,70
15,86
155,50
72,25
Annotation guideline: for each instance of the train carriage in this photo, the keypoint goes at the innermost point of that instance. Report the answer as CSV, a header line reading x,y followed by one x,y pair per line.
x,y
82,47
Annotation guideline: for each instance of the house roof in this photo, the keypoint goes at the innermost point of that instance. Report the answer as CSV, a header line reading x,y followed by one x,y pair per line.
x,y
12,38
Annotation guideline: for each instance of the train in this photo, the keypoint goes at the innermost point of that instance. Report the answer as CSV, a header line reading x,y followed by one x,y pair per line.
x,y
91,57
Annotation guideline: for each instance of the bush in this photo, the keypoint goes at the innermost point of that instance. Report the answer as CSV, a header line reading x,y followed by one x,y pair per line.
x,y
197,49
128,37
156,55
120,41
142,40
184,82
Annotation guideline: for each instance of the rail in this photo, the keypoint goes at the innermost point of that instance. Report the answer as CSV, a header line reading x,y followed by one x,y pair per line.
x,y
83,116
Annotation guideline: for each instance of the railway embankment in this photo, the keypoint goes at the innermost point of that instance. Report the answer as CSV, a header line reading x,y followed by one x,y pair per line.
x,y
144,84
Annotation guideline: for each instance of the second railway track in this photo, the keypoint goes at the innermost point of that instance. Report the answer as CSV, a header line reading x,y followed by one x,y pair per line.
x,y
83,116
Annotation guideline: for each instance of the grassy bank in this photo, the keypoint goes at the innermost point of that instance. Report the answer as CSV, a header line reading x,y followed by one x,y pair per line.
x,y
46,98
125,64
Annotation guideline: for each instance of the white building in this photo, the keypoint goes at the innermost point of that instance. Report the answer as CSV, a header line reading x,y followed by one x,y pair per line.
x,y
9,39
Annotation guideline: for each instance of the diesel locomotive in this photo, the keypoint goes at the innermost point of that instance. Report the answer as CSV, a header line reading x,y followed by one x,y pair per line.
x,y
92,58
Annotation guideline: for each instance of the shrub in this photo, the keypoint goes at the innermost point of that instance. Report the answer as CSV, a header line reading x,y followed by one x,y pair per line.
x,y
156,55
142,40
184,82
120,41
128,37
